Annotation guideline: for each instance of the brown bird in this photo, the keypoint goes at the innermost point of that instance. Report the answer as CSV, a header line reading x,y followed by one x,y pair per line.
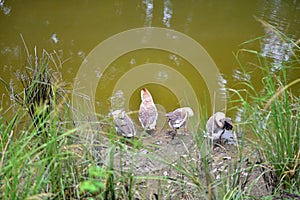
x,y
179,118
124,124
217,124
148,112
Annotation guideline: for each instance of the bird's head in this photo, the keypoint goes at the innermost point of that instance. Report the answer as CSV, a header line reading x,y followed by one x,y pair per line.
x,y
118,114
220,119
145,95
228,124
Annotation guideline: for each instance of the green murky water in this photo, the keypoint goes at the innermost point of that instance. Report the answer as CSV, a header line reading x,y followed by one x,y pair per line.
x,y
180,50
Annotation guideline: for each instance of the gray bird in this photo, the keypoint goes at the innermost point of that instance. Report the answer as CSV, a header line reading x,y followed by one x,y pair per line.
x,y
124,124
217,124
148,113
179,118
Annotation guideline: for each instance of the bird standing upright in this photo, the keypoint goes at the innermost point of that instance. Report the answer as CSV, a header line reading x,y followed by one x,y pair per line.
x,y
217,124
179,118
124,124
148,112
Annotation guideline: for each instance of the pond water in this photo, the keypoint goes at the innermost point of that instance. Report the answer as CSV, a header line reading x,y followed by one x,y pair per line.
x,y
182,51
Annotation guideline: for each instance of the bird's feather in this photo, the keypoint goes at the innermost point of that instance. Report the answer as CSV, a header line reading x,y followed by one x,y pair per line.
x,y
124,124
179,117
217,124
147,113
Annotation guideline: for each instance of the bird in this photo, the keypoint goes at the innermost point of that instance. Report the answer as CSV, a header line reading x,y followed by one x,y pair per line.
x,y
124,124
217,124
147,113
179,118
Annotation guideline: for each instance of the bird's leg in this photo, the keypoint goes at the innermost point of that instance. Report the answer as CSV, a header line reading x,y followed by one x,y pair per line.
x,y
174,133
171,133
221,136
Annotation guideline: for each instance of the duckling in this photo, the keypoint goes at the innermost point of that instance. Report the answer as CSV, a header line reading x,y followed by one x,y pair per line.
x,y
217,124
124,124
148,113
179,118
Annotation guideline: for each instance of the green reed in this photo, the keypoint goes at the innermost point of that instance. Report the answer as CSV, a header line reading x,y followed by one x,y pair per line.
x,y
272,114
36,159
30,168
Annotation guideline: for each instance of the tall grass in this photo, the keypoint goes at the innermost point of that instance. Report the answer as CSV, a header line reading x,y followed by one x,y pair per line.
x,y
29,167
36,161
272,114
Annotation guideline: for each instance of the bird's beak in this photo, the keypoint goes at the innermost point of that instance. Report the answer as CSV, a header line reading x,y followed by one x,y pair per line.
x,y
228,124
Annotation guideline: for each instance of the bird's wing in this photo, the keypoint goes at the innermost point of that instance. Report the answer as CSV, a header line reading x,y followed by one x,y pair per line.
x,y
118,123
148,115
210,124
177,118
125,126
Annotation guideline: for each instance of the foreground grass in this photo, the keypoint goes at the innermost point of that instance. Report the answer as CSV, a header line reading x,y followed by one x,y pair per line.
x,y
35,161
44,156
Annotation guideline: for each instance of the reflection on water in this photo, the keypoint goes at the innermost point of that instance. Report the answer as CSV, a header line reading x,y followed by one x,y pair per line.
x,y
11,51
54,38
162,76
148,12
222,85
5,9
283,16
276,48
168,12
117,100
175,59
118,7
238,75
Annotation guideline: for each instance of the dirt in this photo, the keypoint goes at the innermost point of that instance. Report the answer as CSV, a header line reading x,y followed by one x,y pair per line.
x,y
160,153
